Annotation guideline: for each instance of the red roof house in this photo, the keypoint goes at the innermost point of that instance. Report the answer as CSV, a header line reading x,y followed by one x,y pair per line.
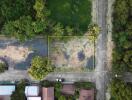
x,y
68,89
86,94
48,93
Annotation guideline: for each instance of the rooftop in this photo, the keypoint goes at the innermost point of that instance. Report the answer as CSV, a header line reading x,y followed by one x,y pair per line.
x,y
32,91
6,90
86,94
48,93
68,89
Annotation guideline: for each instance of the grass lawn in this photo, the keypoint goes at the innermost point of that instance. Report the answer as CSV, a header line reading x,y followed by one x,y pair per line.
x,y
76,13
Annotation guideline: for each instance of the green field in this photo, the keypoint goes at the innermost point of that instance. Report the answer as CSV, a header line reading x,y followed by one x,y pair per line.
x,y
75,13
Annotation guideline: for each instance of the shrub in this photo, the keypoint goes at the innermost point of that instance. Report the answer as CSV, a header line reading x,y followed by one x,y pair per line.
x,y
93,30
40,67
46,83
3,67
19,94
84,85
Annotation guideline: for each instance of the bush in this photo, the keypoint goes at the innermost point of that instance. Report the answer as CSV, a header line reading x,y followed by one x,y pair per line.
x,y
58,87
84,85
12,10
40,67
93,30
46,83
62,97
3,67
19,93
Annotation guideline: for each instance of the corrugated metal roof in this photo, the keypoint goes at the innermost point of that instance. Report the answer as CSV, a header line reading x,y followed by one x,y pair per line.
x,y
31,90
7,89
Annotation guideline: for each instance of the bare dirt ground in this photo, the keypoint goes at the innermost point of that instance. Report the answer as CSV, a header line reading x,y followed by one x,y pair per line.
x,y
74,53
19,55
15,53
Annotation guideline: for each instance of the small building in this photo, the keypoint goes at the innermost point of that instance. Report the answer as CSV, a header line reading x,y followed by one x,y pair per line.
x,y
86,94
68,89
48,93
32,91
6,91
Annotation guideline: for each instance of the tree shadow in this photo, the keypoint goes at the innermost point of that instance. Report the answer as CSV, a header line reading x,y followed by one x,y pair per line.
x,y
90,63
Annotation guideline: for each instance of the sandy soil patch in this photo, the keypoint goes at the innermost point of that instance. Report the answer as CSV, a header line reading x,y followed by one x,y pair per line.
x,y
15,53
74,53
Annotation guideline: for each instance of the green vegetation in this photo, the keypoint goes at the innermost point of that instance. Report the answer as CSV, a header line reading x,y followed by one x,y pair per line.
x,y
3,67
40,67
19,93
46,83
122,36
24,19
121,90
93,30
74,13
26,26
85,85
13,10
122,54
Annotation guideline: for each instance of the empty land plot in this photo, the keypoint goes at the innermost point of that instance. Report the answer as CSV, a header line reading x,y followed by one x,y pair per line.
x,y
19,55
75,54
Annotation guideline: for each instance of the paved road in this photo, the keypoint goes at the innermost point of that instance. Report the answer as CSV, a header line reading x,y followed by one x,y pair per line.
x,y
100,8
72,77
14,75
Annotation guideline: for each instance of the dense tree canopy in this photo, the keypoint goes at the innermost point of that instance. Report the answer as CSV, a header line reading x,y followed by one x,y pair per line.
x,y
121,90
14,9
26,25
122,36
40,67
24,19
122,53
22,28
